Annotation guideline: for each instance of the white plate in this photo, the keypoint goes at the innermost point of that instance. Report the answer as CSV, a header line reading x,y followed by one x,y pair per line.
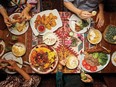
x,y
112,58
3,44
47,12
49,38
15,31
99,68
10,56
72,22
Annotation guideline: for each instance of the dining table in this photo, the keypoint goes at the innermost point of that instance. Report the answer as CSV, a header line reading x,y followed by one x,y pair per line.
x,y
62,45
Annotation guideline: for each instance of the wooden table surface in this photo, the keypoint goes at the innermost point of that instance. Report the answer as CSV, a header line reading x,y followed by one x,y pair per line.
x,y
27,40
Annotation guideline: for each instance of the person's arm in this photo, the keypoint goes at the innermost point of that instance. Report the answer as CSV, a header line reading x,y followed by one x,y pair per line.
x,y
19,70
25,12
87,78
23,73
100,16
101,8
3,12
29,5
81,13
72,8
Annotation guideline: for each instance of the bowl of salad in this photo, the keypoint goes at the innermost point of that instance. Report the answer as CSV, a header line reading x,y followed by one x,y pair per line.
x,y
110,34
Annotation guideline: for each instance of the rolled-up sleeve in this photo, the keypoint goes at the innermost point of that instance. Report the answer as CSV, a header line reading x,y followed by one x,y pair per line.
x,y
32,2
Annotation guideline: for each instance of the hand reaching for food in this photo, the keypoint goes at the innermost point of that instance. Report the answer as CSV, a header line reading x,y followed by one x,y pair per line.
x,y
25,15
17,19
10,64
3,63
86,78
18,22
13,65
7,21
85,15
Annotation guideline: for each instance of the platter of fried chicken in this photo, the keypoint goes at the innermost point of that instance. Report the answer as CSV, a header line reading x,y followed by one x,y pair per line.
x,y
95,59
45,21
19,25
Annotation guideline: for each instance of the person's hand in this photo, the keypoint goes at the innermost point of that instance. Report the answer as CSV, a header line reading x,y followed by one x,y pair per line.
x,y
13,65
25,15
2,61
89,79
100,19
7,21
85,14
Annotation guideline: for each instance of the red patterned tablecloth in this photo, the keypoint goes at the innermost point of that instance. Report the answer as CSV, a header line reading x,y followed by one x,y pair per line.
x,y
62,46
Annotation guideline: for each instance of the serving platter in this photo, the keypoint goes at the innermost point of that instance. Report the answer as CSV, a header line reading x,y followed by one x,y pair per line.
x,y
43,59
46,13
94,68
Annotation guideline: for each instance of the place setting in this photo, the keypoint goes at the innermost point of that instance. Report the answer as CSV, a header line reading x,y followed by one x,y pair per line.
x,y
16,53
19,24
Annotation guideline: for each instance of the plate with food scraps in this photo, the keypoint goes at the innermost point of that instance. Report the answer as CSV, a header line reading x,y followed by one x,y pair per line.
x,y
94,62
10,56
79,25
2,47
19,26
50,19
113,58
43,59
